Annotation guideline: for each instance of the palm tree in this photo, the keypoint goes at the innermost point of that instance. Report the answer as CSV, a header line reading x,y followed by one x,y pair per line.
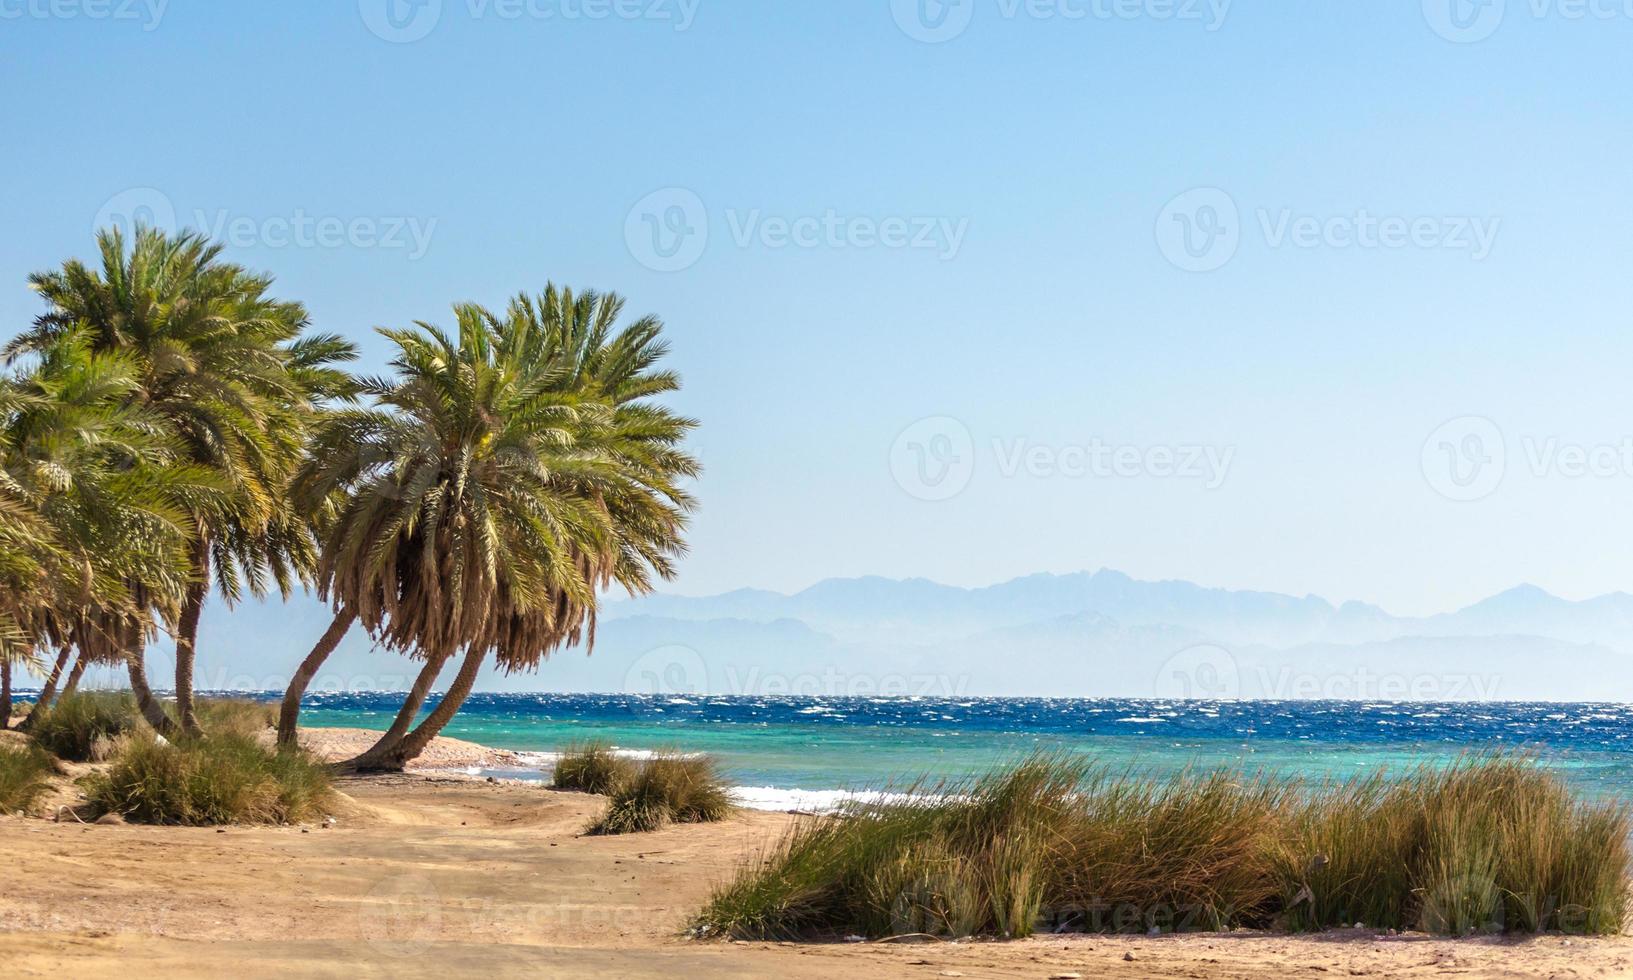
x,y
225,366
504,477
100,501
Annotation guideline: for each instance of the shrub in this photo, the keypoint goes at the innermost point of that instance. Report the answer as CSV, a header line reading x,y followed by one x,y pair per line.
x,y
665,789
219,779
1488,844
72,727
25,772
592,767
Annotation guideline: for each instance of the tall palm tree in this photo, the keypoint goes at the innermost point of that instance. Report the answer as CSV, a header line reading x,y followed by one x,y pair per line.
x,y
104,498
226,368
503,478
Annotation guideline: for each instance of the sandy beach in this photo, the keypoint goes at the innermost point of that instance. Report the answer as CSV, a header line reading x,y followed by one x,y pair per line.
x,y
439,875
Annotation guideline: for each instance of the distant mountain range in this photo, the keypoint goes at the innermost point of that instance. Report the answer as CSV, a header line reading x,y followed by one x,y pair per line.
x,y
1106,634
1089,634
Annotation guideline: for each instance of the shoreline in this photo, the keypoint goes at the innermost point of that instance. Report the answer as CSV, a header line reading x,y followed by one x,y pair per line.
x,y
454,758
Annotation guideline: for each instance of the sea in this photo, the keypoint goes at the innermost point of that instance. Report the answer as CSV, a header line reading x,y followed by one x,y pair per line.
x,y
808,753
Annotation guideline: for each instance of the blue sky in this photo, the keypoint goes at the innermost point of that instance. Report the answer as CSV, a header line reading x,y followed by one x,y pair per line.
x,y
1406,273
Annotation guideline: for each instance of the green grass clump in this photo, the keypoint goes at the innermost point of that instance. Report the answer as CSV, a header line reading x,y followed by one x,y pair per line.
x,y
219,779
949,859
1133,854
1488,844
25,775
73,726
1491,844
665,789
592,767
236,716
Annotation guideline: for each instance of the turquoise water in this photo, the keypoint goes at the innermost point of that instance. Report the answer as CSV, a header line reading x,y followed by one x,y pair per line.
x,y
824,744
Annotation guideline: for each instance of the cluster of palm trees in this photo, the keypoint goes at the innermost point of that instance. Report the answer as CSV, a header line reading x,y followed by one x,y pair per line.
x,y
168,431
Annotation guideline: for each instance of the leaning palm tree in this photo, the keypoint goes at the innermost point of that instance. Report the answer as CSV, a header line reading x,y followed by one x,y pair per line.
x,y
504,477
224,365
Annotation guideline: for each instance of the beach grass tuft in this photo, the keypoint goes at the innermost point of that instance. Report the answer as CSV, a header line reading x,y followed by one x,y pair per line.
x,y
74,726
592,767
219,779
25,776
1489,844
1493,844
236,716
667,788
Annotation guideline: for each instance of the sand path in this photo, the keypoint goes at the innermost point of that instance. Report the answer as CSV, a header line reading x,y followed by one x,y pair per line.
x,y
441,878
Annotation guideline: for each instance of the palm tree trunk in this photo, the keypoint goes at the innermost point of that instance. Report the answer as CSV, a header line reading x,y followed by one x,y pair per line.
x,y
48,692
375,758
411,747
289,714
74,675
192,608
152,710
5,694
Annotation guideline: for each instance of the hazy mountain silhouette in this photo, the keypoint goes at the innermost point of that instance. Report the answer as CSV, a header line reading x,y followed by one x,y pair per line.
x,y
1088,634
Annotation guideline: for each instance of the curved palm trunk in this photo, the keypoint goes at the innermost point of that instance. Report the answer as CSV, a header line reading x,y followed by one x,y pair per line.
x,y
5,694
48,692
152,710
74,675
187,638
411,747
376,757
289,714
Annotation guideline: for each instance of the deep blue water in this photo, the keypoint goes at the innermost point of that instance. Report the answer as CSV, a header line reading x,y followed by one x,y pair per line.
x,y
845,743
